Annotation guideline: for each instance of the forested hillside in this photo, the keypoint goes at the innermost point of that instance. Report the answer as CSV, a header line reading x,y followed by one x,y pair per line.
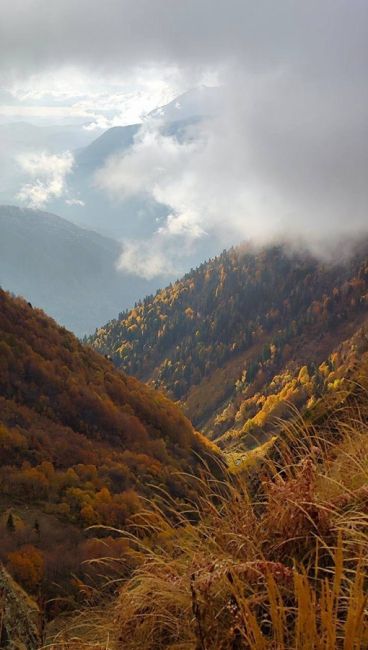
x,y
275,556
79,442
244,336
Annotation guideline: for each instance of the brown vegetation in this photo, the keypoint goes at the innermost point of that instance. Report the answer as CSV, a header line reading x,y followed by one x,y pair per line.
x,y
274,558
79,443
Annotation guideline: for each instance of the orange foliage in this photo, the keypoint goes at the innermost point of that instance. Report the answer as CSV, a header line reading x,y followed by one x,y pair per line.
x,y
27,565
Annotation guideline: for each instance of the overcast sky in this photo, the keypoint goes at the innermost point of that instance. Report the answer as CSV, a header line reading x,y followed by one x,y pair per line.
x,y
287,156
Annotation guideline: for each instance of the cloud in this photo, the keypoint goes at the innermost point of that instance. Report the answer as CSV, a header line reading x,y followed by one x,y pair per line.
x,y
95,102
146,259
157,166
281,161
166,252
75,202
121,38
287,156
118,35
48,174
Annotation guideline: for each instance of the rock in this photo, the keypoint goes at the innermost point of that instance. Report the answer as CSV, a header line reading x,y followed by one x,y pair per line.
x,y
19,616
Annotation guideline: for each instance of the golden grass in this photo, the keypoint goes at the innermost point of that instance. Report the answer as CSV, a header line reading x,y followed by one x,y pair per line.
x,y
271,559
284,569
240,461
89,629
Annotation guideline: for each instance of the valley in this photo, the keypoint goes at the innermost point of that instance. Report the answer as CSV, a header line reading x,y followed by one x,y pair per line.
x,y
183,325
103,478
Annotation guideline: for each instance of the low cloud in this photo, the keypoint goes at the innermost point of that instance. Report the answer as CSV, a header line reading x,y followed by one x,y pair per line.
x,y
158,166
145,258
96,102
283,161
48,175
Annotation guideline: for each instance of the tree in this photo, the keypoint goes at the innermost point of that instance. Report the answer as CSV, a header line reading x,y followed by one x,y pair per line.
x,y
36,527
28,566
10,525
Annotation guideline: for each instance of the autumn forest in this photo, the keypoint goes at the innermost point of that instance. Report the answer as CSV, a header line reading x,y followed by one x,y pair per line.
x,y
246,345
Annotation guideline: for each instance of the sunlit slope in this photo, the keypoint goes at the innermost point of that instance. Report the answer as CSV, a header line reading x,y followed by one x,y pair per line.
x,y
243,335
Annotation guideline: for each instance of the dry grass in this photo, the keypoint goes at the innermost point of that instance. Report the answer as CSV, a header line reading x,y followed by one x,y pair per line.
x,y
90,629
282,570
272,561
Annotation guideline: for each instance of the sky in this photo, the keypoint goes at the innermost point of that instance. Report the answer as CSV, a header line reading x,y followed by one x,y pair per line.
x,y
285,157
69,95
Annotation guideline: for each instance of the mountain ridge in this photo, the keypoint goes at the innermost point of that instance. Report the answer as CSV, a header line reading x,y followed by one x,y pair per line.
x,y
68,270
233,325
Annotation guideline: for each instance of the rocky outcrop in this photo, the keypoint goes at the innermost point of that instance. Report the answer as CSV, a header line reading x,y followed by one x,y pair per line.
x,y
19,616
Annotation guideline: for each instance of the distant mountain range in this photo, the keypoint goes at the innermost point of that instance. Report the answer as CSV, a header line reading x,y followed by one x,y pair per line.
x,y
67,270
134,217
86,204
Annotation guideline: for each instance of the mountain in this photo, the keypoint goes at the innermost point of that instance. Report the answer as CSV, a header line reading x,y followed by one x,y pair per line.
x,y
114,140
199,102
81,199
173,118
138,216
79,442
247,336
134,217
67,270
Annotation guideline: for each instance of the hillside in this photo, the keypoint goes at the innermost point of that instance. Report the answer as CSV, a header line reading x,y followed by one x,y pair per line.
x,y
114,140
274,558
78,443
244,336
66,270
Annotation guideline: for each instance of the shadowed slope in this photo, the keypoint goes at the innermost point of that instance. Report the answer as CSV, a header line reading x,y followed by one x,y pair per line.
x,y
78,441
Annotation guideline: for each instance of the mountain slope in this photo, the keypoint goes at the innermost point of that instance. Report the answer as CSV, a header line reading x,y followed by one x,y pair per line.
x,y
78,443
135,216
66,270
267,563
202,101
114,140
241,326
